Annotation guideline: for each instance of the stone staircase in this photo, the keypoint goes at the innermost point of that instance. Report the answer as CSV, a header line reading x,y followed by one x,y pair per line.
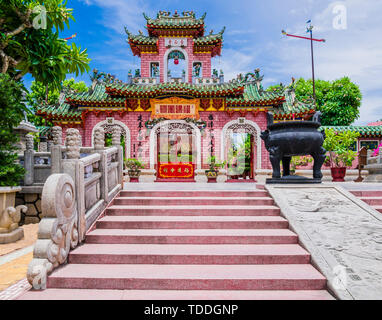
x,y
372,197
188,245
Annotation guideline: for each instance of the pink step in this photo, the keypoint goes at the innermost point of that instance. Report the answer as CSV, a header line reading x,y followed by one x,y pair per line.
x,y
372,201
94,294
192,236
378,208
160,201
367,193
120,210
192,222
183,194
188,277
189,254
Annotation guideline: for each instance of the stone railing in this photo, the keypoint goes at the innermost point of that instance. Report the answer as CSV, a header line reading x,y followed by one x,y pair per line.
x,y
213,80
73,197
145,80
374,166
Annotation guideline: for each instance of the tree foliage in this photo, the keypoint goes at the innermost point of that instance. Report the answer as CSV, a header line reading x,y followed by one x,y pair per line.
x,y
36,97
40,52
338,100
12,112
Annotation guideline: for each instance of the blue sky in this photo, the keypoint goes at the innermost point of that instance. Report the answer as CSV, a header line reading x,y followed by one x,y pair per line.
x,y
252,39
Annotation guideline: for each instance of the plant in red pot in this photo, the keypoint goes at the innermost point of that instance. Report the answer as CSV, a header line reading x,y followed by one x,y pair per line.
x,y
134,166
340,145
213,171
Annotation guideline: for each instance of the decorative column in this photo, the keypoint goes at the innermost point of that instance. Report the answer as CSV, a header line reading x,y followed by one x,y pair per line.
x,y
29,160
56,153
99,138
72,143
99,147
116,136
43,145
75,169
116,141
57,135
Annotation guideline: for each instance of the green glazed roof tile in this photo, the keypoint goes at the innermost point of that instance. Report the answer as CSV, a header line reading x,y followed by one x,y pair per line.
x,y
365,131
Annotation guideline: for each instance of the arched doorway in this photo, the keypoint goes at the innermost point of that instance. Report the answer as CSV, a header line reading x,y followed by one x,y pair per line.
x,y
108,126
176,54
175,150
241,149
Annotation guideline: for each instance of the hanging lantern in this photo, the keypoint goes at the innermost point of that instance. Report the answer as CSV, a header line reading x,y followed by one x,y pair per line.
x,y
176,59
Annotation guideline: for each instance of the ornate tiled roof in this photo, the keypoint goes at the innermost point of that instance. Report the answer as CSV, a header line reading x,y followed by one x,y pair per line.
x,y
195,90
365,131
98,97
185,21
209,39
211,43
141,38
241,94
253,95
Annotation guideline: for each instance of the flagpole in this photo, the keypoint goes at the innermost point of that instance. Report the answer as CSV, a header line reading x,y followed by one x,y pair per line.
x,y
311,49
310,30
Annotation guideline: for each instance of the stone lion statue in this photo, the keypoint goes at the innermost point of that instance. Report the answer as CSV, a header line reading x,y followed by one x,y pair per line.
x,y
10,218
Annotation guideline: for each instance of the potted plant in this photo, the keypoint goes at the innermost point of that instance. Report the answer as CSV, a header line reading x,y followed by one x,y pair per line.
x,y
339,145
134,166
213,171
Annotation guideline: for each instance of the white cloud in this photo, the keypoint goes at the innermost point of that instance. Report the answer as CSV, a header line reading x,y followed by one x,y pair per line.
x,y
355,52
120,13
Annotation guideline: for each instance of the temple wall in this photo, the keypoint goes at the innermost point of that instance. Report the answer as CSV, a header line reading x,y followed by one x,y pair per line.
x,y
147,58
220,119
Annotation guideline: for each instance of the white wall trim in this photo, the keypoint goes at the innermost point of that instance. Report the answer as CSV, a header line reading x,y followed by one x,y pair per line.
x,y
127,134
165,61
223,155
154,142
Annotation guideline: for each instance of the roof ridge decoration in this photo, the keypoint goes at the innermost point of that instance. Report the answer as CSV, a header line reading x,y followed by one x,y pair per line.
x,y
101,78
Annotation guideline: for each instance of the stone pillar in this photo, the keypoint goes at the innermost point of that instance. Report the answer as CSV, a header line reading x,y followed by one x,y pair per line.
x,y
43,145
56,154
74,168
57,135
72,143
116,136
116,141
99,139
29,160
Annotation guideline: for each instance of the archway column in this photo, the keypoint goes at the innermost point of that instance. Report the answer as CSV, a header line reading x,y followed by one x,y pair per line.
x,y
124,128
241,123
154,142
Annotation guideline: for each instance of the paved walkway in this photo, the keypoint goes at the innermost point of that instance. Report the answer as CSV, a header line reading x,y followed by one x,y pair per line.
x,y
14,261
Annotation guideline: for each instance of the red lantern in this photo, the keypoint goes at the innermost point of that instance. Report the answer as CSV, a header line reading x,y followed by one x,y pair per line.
x,y
176,59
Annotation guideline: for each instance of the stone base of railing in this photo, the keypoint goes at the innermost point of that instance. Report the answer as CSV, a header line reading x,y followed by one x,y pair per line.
x,y
375,173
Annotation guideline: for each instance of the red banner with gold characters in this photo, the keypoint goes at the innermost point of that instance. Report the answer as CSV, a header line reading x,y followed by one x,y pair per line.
x,y
176,170
175,108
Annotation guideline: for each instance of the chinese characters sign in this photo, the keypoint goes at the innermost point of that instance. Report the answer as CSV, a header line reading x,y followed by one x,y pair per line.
x,y
175,108
176,170
175,42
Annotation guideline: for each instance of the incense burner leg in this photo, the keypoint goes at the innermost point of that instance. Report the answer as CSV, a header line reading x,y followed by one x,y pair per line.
x,y
286,166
